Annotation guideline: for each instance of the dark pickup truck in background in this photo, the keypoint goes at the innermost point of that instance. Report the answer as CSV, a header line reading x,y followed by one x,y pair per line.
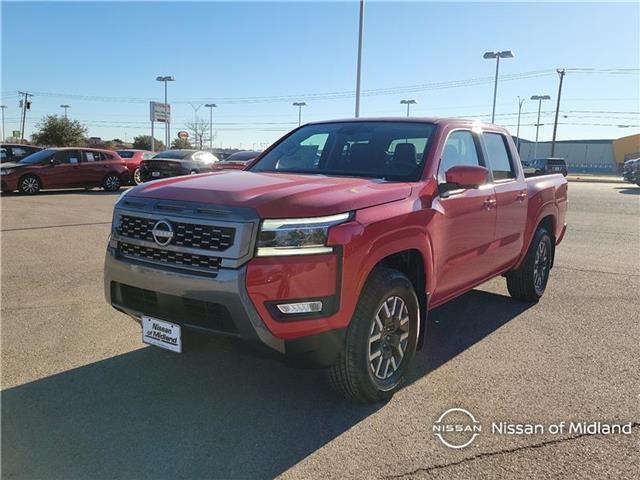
x,y
545,166
333,245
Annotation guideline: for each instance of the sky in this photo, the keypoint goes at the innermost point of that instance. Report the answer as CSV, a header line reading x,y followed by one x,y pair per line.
x,y
254,59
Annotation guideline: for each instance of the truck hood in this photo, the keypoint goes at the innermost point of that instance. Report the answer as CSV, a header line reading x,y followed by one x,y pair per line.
x,y
276,195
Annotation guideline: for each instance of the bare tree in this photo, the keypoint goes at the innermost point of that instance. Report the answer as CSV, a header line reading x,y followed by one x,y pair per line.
x,y
199,131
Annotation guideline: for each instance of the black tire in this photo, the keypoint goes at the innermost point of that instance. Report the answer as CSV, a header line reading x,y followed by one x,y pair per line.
x,y
136,178
193,172
355,375
529,282
29,185
111,183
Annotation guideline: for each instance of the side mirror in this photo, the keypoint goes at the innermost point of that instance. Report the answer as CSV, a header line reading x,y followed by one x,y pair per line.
x,y
465,176
54,161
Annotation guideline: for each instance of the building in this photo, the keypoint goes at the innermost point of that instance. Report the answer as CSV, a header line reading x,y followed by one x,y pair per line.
x,y
586,156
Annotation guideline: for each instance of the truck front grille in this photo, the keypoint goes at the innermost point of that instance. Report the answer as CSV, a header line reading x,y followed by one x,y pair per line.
x,y
169,257
190,235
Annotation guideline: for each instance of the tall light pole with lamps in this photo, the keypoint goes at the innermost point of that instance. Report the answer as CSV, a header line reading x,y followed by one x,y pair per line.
x,y
167,126
210,106
539,98
408,103
299,105
65,110
359,60
497,56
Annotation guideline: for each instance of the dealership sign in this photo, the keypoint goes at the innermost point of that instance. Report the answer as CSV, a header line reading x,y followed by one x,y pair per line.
x,y
159,112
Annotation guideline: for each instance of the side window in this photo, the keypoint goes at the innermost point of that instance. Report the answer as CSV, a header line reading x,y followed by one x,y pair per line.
x,y
19,152
90,157
3,153
460,149
68,156
147,156
498,156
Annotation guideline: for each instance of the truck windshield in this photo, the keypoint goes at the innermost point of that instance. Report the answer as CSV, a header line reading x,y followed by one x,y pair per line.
x,y
38,157
387,150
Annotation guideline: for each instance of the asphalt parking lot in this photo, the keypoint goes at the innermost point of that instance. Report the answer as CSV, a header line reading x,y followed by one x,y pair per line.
x,y
82,398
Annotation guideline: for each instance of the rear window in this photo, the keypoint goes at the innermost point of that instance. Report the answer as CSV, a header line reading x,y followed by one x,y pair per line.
x,y
499,158
173,154
125,153
556,162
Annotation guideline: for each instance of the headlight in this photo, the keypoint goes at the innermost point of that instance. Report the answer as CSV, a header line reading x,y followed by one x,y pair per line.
x,y
5,172
297,236
122,195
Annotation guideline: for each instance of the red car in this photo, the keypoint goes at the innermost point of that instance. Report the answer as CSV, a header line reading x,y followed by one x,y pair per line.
x,y
72,167
333,246
132,159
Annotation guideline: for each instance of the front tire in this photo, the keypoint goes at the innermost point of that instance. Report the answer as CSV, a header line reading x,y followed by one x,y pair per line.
x,y
529,282
381,339
111,183
137,177
29,185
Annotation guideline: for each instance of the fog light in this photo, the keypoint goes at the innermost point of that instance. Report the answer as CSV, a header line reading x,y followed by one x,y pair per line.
x,y
302,307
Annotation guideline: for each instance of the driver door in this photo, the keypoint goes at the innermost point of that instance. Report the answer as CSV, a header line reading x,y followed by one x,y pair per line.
x,y
65,172
464,222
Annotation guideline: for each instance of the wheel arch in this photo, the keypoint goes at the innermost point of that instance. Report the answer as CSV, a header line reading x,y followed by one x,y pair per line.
x,y
548,220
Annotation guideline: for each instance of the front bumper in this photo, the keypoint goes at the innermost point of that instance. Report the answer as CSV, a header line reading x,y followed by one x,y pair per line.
x,y
219,305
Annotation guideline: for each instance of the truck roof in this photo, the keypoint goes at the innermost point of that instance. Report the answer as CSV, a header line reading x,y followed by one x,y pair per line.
x,y
435,120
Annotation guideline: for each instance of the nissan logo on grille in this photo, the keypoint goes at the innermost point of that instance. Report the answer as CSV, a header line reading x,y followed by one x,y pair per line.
x,y
162,233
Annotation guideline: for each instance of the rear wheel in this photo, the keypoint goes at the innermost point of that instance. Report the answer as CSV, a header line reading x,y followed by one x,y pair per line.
x,y
530,280
381,339
111,183
29,185
193,172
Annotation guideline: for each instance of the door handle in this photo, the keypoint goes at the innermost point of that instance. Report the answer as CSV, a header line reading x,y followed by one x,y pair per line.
x,y
521,196
490,203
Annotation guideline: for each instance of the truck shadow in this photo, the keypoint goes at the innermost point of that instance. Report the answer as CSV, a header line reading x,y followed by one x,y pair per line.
x,y
629,190
209,413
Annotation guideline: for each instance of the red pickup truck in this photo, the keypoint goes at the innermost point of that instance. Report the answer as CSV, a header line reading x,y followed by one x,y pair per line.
x,y
333,245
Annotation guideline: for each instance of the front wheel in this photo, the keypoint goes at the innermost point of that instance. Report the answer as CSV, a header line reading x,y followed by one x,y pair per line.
x,y
530,280
111,183
137,177
381,339
29,185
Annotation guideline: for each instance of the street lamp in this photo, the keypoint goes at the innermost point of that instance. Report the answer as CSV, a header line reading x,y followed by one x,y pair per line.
x,y
539,98
165,79
408,103
65,110
299,105
210,106
497,56
359,60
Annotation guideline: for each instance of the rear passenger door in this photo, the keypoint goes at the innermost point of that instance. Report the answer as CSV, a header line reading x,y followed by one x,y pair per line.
x,y
94,167
511,196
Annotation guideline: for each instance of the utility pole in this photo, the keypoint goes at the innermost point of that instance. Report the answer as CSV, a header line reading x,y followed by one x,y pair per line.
x,y
26,105
3,130
211,106
520,102
359,62
561,73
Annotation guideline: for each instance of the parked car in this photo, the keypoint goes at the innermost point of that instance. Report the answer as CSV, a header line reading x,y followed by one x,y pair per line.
x,y
65,168
14,152
333,246
132,159
173,163
236,161
544,166
631,171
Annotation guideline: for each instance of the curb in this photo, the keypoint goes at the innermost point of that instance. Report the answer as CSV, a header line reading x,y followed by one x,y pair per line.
x,y
595,180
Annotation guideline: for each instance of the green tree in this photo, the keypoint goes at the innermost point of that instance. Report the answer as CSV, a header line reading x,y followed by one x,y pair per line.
x,y
57,131
143,142
181,143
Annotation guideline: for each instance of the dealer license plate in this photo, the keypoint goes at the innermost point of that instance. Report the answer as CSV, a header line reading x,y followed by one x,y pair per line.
x,y
161,334
155,174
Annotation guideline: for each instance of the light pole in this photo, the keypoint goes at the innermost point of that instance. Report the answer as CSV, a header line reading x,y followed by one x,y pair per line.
x,y
65,110
539,98
359,61
497,56
520,102
408,103
210,106
299,105
167,120
2,107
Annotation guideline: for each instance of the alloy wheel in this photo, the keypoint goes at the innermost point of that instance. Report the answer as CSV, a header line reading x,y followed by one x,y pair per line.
x,y
541,266
30,185
112,183
137,178
388,338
